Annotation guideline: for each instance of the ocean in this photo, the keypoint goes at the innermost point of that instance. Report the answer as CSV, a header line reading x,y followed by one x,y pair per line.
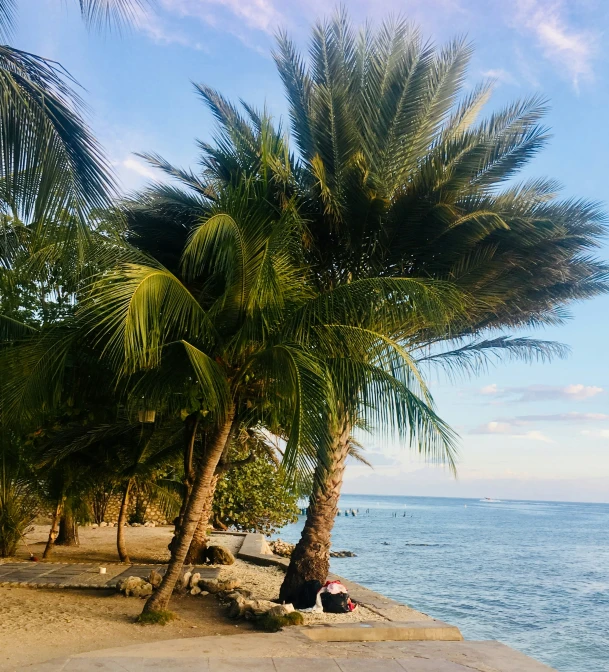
x,y
533,575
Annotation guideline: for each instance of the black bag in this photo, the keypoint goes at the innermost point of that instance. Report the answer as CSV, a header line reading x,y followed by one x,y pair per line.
x,y
335,603
306,596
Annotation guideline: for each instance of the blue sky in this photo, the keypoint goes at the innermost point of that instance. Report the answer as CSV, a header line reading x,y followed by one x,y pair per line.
x,y
527,431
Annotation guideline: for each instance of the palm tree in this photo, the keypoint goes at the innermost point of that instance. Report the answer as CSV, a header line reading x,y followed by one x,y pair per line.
x,y
238,313
398,179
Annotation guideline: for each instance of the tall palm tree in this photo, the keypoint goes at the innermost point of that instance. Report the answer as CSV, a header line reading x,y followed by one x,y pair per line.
x,y
397,178
236,309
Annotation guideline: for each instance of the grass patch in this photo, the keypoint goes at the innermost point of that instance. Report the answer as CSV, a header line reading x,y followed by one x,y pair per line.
x,y
274,623
160,617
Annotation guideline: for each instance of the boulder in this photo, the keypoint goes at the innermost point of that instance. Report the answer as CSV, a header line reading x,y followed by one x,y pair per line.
x,y
134,586
103,524
195,590
155,579
240,607
94,526
282,548
219,555
186,579
194,580
215,586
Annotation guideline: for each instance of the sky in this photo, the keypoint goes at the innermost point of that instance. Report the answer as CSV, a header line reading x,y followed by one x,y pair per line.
x,y
536,431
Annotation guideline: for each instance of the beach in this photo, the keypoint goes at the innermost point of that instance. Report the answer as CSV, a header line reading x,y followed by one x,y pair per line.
x,y
37,624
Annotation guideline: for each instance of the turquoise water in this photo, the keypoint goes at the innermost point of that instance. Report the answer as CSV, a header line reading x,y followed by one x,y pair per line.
x,y
534,575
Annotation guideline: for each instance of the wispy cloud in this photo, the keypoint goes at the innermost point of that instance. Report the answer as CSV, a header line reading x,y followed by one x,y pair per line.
x,y
575,392
139,168
571,49
501,76
155,27
510,429
261,15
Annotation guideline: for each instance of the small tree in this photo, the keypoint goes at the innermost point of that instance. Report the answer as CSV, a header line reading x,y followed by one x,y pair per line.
x,y
254,497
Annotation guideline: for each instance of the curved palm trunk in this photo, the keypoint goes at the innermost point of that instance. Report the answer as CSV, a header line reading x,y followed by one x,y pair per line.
x,y
200,491
53,531
311,558
68,530
122,519
191,424
198,545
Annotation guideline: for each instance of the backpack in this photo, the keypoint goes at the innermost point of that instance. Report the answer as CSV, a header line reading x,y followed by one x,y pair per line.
x,y
307,594
335,603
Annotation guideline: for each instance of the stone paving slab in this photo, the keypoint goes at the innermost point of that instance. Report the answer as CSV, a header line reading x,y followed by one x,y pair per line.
x,y
80,575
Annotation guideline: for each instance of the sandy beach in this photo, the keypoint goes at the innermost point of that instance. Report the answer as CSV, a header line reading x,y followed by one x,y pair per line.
x,y
39,624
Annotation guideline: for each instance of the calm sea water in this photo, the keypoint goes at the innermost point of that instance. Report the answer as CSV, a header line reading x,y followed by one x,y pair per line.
x,y
534,575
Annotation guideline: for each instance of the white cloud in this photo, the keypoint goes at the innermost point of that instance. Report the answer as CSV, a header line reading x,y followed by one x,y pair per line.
x,y
570,49
261,15
577,392
139,168
494,427
151,24
501,76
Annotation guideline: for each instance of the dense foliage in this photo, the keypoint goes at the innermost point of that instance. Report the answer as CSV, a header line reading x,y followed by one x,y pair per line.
x,y
254,497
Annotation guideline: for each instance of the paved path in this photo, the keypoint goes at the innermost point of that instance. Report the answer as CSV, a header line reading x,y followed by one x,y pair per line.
x,y
290,651
79,575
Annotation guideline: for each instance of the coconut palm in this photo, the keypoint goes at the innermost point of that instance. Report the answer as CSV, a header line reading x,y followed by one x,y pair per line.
x,y
238,314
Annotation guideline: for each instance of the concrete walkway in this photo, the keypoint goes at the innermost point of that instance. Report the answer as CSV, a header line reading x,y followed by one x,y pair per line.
x,y
291,651
79,575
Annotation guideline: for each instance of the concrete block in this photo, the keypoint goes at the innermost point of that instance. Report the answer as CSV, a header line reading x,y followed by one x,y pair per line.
x,y
383,631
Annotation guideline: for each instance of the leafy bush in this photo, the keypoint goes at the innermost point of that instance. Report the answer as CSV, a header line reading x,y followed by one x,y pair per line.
x,y
254,497
18,506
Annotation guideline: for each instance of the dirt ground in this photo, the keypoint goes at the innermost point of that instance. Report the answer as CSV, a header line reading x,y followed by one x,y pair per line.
x,y
38,625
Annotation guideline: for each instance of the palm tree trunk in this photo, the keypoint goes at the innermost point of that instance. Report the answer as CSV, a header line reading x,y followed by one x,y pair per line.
x,y
190,428
198,545
200,491
122,519
53,531
68,529
311,558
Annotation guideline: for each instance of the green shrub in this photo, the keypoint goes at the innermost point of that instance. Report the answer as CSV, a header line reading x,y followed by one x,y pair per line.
x,y
273,623
254,497
160,617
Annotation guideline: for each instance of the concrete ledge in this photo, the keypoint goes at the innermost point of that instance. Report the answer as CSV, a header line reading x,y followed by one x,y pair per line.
x,y
255,549
378,631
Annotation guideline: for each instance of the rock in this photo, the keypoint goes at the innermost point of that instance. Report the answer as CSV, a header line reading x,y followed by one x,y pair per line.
x,y
94,526
103,524
135,525
240,607
236,608
219,555
282,548
342,554
186,579
194,580
215,586
195,591
155,579
281,610
134,586
204,593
